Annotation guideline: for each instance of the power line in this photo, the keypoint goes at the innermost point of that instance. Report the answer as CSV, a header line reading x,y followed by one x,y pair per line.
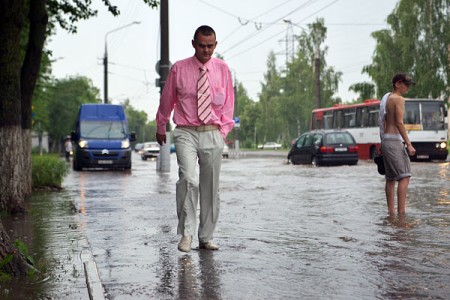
x,y
278,33
252,35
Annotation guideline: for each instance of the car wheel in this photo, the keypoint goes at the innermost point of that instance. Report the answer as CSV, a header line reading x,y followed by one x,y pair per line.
x,y
144,157
314,161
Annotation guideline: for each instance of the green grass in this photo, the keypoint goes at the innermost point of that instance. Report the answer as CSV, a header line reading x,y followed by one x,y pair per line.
x,y
48,171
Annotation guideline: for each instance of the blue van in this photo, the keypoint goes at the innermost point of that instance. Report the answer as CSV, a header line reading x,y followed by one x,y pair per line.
x,y
101,138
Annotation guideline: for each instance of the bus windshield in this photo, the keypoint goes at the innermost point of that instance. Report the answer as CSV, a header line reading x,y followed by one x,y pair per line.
x,y
102,130
433,116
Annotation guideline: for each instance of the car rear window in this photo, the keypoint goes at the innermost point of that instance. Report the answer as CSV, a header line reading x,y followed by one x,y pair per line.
x,y
338,138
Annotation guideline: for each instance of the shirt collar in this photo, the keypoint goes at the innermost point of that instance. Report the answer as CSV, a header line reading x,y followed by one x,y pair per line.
x,y
208,64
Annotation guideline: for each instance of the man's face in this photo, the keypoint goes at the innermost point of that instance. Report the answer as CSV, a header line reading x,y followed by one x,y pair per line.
x,y
402,87
204,46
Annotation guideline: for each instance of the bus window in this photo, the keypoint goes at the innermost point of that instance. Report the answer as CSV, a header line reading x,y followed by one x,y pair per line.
x,y
373,113
412,114
338,120
365,117
328,120
433,116
359,115
349,118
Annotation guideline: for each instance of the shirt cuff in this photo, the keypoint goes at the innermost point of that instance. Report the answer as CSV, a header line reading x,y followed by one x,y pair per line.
x,y
161,130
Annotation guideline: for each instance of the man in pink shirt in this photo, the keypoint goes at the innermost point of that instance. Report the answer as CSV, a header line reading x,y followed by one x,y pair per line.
x,y
199,134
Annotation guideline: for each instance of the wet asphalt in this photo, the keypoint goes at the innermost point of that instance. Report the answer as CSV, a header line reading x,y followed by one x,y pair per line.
x,y
285,232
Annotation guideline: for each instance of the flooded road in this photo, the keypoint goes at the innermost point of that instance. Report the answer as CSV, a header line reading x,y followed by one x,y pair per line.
x,y
285,232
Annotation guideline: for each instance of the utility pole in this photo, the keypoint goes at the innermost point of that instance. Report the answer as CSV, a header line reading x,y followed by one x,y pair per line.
x,y
163,163
105,61
105,75
317,34
237,123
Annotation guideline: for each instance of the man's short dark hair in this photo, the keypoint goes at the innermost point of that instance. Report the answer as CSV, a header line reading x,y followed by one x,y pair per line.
x,y
204,30
402,77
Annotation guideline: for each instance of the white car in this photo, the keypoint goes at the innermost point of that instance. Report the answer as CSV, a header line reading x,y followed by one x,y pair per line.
x,y
270,145
150,149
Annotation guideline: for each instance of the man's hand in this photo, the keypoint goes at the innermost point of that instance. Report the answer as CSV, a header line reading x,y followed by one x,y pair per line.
x,y
161,139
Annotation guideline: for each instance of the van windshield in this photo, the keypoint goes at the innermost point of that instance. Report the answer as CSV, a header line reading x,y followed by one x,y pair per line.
x,y
102,130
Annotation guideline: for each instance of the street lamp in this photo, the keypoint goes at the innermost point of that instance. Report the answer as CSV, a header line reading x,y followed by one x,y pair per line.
x,y
105,60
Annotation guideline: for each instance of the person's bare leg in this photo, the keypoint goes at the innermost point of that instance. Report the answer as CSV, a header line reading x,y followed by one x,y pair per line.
x,y
402,189
390,194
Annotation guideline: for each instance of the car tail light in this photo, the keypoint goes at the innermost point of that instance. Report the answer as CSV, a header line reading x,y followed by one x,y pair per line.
x,y
325,149
353,149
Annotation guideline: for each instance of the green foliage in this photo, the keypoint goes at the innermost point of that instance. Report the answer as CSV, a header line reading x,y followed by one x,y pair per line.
x,y
48,171
416,43
137,122
65,97
287,97
366,90
3,275
23,249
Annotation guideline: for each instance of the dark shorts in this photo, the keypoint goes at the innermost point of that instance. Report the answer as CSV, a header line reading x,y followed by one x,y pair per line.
x,y
396,159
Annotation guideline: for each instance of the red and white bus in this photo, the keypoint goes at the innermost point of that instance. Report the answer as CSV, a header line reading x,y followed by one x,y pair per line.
x,y
424,119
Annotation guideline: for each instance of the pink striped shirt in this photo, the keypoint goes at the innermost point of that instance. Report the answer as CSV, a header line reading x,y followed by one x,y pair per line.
x,y
180,95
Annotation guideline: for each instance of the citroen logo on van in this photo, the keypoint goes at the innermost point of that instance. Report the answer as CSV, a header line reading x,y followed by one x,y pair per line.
x,y
105,152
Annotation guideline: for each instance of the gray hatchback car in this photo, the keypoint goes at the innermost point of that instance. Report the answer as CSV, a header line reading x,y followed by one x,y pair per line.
x,y
324,147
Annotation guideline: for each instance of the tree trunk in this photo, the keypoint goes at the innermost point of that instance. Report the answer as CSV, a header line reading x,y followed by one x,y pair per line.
x,y
11,158
29,73
17,265
17,82
11,198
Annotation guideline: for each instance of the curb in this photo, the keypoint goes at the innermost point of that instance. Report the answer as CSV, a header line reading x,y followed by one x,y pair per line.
x,y
93,282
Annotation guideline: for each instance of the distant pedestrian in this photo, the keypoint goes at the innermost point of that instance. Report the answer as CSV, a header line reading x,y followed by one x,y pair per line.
x,y
199,90
393,140
68,148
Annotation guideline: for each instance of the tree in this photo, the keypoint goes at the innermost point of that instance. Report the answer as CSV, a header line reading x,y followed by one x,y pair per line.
x,y
269,124
245,109
366,90
66,96
137,122
416,43
287,98
18,77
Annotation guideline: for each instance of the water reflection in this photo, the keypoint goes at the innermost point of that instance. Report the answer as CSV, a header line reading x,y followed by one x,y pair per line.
x,y
188,287
209,276
200,281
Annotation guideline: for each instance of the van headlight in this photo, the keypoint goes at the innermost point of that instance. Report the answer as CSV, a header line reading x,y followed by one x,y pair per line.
x,y
125,144
441,145
83,144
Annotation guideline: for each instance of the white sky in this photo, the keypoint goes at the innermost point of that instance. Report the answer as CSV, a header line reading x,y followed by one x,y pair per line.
x,y
247,30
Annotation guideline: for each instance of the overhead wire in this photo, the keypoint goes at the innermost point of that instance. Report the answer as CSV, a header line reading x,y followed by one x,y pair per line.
x,y
252,35
278,33
253,20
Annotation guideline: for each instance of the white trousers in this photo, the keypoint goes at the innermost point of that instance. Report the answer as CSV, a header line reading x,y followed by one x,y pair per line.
x,y
205,149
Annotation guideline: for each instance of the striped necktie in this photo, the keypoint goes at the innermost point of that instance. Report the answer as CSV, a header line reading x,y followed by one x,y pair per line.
x,y
203,97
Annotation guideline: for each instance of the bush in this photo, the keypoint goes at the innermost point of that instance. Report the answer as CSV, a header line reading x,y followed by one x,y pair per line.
x,y
48,171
